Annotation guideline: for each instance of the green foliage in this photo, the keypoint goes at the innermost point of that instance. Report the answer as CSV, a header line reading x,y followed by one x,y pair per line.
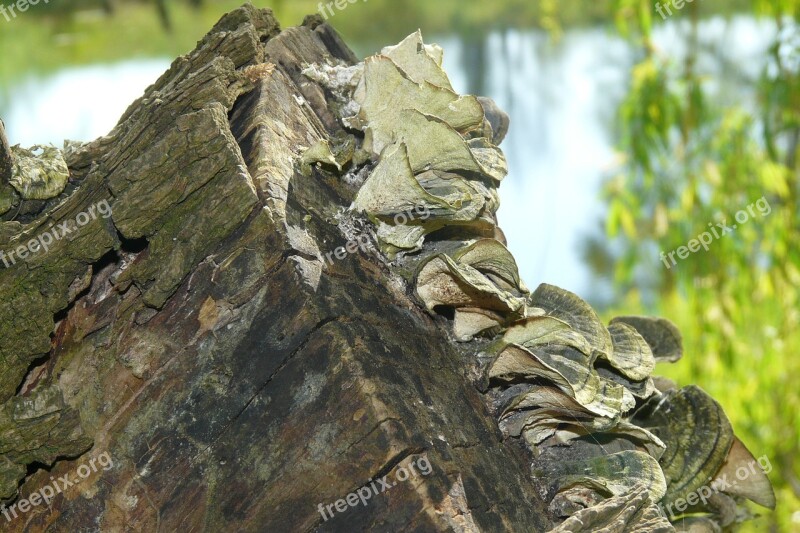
x,y
693,162
53,35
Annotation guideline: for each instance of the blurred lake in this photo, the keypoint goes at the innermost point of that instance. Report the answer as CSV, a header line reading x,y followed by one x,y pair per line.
x,y
562,96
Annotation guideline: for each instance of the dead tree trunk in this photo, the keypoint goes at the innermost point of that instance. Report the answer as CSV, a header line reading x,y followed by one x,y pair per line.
x,y
192,338
5,155
190,341
6,167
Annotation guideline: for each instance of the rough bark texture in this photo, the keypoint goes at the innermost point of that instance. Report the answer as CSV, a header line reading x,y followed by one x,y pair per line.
x,y
197,338
5,155
6,164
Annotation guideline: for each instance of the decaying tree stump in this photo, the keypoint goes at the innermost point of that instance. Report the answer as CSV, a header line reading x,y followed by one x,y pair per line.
x,y
5,155
203,332
6,168
193,335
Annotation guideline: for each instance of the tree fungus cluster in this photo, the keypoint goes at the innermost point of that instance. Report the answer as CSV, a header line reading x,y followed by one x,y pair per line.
x,y
610,443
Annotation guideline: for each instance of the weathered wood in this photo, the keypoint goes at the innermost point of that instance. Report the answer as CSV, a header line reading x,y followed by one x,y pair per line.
x,y
5,155
196,336
7,196
218,303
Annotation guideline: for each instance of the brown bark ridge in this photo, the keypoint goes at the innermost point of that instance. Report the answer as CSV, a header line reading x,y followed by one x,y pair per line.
x,y
183,330
5,155
6,169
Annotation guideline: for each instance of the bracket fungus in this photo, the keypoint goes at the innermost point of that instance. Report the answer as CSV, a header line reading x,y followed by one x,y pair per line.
x,y
40,173
631,511
608,445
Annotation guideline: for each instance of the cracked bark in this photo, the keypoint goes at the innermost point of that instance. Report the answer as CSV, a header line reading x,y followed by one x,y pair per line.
x,y
6,165
197,336
5,156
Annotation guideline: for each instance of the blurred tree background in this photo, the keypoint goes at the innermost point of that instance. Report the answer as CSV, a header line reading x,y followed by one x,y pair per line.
x,y
690,155
692,160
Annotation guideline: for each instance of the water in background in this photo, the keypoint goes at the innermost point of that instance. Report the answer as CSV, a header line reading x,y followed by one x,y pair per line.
x,y
80,104
562,97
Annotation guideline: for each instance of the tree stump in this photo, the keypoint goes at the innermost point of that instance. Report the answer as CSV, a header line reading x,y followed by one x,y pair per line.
x,y
275,298
192,338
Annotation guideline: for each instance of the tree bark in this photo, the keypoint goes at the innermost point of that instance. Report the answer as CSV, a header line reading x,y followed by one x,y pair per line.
x,y
5,156
198,339
6,169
